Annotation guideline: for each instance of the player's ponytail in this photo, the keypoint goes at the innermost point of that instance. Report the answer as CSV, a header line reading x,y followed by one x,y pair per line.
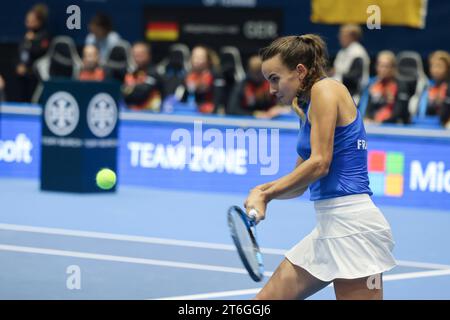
x,y
309,50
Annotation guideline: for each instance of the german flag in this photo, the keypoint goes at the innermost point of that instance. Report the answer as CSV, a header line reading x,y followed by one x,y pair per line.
x,y
162,31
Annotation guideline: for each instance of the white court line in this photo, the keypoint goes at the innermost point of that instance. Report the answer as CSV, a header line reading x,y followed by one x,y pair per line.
x,y
173,264
113,236
105,257
221,294
415,275
236,293
174,242
425,265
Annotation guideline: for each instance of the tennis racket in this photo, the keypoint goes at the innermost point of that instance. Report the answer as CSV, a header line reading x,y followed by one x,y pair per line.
x,y
243,232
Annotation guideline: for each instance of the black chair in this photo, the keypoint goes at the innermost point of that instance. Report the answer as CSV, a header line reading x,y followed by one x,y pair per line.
x,y
173,69
232,73
61,60
231,64
118,61
412,78
177,58
61,63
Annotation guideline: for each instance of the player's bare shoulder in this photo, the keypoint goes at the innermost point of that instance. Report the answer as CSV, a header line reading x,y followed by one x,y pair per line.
x,y
331,90
328,85
327,89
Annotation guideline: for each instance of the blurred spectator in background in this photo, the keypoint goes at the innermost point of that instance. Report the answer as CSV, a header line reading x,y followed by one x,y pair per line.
x,y
143,87
102,35
252,96
91,70
2,89
199,82
383,93
438,93
352,62
388,97
34,45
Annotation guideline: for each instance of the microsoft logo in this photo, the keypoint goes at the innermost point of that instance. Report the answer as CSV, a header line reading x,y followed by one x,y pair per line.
x,y
386,173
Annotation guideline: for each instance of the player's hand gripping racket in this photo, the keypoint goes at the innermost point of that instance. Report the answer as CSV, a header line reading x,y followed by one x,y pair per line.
x,y
243,231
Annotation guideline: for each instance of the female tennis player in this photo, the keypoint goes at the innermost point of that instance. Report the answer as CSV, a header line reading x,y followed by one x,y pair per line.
x,y
351,244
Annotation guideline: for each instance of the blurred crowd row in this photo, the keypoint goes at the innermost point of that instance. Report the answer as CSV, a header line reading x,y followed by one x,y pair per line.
x,y
219,82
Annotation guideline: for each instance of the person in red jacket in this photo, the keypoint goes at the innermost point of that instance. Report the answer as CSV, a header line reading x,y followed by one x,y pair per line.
x,y
143,87
199,82
438,93
383,93
91,70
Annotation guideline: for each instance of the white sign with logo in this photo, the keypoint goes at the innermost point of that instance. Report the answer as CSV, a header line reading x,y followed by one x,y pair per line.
x,y
102,115
61,113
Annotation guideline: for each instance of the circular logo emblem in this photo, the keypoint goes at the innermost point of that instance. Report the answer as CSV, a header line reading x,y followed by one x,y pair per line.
x,y
61,113
102,115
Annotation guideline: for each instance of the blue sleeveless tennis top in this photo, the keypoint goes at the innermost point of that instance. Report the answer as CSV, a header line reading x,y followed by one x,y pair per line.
x,y
347,174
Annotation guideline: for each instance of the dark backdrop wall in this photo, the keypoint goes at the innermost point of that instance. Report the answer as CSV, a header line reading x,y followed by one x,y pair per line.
x,y
130,17
128,20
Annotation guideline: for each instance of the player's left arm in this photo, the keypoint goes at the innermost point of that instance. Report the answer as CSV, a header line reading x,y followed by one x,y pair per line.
x,y
294,194
323,116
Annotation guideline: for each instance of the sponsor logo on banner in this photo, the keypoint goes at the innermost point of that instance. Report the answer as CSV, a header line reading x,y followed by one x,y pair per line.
x,y
17,150
211,29
197,159
228,151
386,171
260,29
102,115
61,113
386,174
433,177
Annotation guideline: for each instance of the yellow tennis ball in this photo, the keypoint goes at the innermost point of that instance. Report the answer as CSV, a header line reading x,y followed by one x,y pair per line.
x,y
106,179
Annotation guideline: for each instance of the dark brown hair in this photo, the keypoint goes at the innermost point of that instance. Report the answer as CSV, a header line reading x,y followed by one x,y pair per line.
x,y
103,21
40,10
212,57
308,49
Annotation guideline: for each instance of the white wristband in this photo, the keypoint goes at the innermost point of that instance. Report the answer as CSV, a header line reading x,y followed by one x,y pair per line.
x,y
253,213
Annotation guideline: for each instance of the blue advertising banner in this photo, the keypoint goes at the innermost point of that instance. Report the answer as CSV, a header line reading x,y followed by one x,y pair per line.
x,y
20,142
411,172
406,171
149,157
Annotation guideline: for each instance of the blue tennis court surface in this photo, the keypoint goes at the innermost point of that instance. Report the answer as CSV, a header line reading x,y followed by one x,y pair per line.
x,y
145,243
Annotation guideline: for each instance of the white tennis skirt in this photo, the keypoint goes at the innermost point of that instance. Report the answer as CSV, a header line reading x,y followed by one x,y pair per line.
x,y
352,239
